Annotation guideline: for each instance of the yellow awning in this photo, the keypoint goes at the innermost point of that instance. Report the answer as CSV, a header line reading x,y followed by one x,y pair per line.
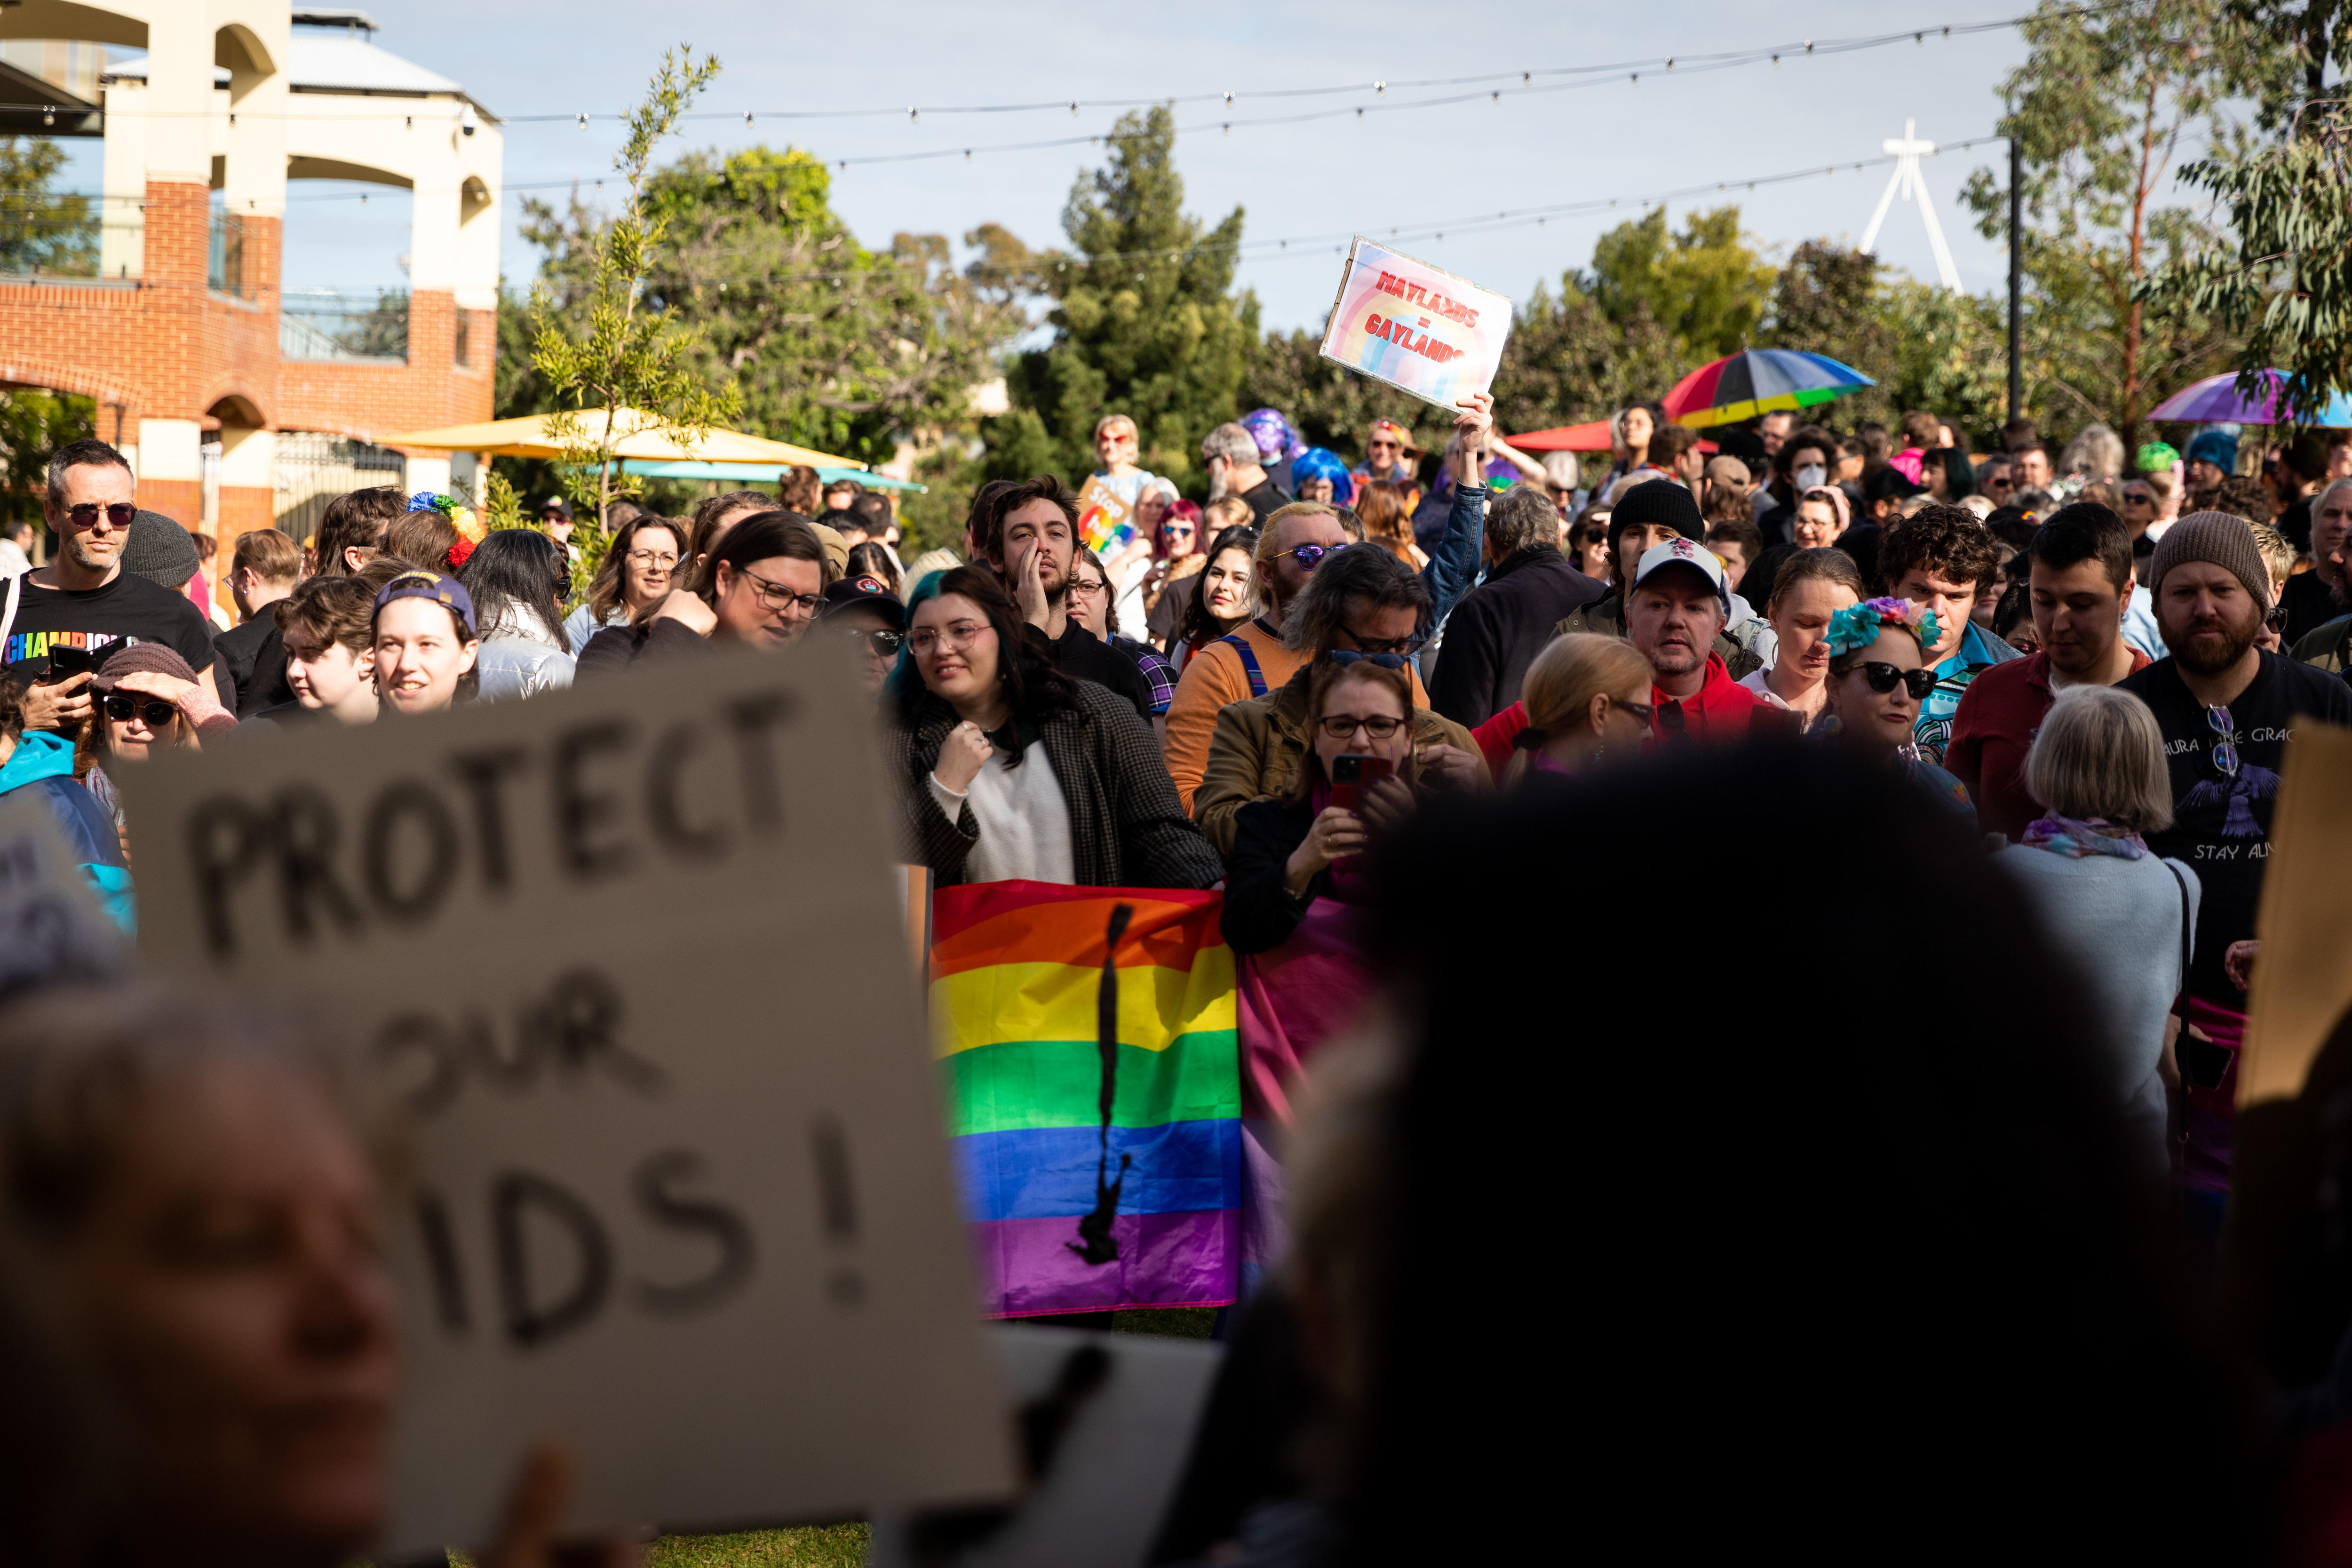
x,y
528,437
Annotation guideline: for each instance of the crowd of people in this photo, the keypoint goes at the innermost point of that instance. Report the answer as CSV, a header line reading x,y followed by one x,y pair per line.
x,y
1436,724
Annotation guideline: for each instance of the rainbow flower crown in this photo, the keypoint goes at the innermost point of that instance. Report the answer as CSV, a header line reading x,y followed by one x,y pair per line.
x,y
470,531
1858,626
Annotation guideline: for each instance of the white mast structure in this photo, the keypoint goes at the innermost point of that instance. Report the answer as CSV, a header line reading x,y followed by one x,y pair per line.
x,y
1909,184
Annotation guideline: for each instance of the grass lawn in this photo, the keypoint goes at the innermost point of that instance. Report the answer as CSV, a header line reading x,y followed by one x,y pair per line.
x,y
843,1545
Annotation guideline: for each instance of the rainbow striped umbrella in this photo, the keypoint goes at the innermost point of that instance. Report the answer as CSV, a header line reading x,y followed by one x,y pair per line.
x,y
1758,381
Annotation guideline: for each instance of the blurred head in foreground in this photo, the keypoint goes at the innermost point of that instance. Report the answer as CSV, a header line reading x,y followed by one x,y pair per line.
x,y
1852,1271
195,1328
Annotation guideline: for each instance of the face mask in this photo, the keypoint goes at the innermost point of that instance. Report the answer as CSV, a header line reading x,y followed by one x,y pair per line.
x,y
1811,477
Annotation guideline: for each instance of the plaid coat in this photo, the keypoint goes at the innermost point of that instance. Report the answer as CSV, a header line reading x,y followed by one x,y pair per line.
x,y
1126,829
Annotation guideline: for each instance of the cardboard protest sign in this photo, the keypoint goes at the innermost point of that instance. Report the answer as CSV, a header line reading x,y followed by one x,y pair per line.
x,y
1126,1407
1418,328
52,925
1105,522
2303,980
632,956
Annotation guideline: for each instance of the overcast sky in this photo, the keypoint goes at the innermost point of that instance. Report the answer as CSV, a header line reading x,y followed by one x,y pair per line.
x,y
1615,139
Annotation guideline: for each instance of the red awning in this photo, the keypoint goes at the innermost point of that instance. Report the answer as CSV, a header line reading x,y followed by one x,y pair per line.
x,y
1592,437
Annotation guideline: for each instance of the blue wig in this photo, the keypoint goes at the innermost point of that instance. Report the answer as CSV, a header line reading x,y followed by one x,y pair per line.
x,y
1320,463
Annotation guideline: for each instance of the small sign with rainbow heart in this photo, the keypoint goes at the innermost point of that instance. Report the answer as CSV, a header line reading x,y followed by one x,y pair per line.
x,y
1403,321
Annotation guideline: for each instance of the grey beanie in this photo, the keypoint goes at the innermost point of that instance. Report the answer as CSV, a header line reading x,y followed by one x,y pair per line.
x,y
160,551
2220,539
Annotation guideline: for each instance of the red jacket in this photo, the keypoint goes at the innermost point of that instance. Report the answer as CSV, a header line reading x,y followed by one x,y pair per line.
x,y
1992,730
1721,711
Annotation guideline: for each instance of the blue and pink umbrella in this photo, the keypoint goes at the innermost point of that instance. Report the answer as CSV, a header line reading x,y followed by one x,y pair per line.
x,y
2216,400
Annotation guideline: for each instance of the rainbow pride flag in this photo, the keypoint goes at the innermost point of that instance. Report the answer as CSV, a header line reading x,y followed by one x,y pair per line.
x,y
1093,1084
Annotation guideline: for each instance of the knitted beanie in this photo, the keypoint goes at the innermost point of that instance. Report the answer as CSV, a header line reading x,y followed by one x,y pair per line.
x,y
160,551
2220,539
1657,501
151,657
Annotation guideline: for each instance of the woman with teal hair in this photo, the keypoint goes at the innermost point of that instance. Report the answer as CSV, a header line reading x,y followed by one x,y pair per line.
x,y
1878,676
1317,474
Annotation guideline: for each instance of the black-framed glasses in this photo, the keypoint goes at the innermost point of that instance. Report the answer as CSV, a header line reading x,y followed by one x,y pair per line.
x,y
1376,726
1383,658
780,595
1886,678
1644,711
885,643
120,706
2225,749
1310,556
119,513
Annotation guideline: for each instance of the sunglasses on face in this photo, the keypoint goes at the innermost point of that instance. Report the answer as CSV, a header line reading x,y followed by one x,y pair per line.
x,y
1886,678
885,643
155,710
119,513
1310,556
1644,711
1387,655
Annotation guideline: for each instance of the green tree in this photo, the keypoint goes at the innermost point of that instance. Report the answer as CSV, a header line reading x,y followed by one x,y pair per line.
x,y
830,345
1328,404
622,352
2102,104
2282,278
41,229
1145,320
34,423
1923,346
1567,361
1706,285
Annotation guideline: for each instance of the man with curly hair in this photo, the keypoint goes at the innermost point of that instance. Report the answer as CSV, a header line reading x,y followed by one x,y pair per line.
x,y
1942,558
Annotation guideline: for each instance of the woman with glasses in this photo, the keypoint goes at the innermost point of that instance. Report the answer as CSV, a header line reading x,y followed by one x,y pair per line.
x,y
1009,770
518,578
144,699
640,566
762,586
1093,607
1588,698
1877,679
865,611
1177,555
1587,544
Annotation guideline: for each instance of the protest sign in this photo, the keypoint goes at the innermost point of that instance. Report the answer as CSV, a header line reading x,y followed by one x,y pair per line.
x,y
52,925
1125,1409
2303,980
632,956
1417,327
1105,522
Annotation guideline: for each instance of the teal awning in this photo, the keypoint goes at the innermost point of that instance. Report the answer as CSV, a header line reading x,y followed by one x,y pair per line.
x,y
762,473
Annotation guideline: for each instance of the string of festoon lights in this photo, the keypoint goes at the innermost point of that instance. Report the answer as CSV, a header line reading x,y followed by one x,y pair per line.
x,y
1335,241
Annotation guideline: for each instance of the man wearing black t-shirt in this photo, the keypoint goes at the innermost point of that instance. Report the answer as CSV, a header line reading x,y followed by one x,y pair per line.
x,y
2226,710
83,599
1029,538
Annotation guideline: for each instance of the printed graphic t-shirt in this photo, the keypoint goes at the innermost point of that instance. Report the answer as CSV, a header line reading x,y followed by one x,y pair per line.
x,y
2222,825
128,610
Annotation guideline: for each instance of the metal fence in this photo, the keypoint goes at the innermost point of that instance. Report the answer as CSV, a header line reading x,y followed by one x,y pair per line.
x,y
310,470
356,329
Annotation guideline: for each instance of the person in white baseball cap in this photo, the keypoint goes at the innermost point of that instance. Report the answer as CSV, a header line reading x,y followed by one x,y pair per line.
x,y
1679,602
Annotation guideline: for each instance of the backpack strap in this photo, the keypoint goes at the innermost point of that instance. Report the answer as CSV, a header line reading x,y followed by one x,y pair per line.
x,y
2180,995
1249,662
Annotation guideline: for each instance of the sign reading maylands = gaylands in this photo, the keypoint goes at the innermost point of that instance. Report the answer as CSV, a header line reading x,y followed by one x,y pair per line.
x,y
1415,327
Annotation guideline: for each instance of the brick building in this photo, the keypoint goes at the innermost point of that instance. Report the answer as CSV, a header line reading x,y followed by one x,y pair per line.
x,y
227,395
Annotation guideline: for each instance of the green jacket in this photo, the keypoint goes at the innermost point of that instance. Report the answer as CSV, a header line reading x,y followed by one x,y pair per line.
x,y
2327,647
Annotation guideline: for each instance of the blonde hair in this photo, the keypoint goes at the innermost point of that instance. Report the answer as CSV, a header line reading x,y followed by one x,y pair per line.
x,y
1228,511
1572,669
1267,534
2278,552
2100,753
